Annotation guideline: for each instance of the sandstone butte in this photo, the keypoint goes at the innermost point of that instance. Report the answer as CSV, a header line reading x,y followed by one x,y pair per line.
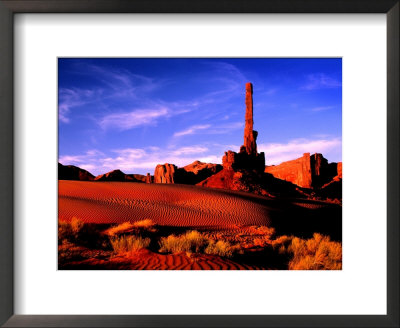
x,y
308,171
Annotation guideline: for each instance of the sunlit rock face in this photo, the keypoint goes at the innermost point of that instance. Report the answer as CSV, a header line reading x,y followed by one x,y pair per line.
x,y
250,136
165,173
308,171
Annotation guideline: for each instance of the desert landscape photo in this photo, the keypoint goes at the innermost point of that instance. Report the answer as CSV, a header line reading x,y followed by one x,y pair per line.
x,y
200,164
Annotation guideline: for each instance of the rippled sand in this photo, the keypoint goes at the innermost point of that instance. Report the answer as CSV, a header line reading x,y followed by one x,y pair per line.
x,y
175,205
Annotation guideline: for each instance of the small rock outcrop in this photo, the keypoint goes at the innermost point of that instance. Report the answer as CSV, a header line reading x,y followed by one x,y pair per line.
x,y
189,174
71,172
148,178
199,171
165,173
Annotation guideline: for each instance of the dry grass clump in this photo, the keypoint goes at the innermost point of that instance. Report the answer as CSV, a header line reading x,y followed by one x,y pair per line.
x,y
127,227
317,253
70,231
220,248
147,223
190,242
195,242
76,225
64,231
130,243
120,228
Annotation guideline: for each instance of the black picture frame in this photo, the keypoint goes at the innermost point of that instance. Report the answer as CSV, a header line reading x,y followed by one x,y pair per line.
x,y
10,7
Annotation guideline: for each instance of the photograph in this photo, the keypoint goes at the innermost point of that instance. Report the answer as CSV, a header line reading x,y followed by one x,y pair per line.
x,y
199,163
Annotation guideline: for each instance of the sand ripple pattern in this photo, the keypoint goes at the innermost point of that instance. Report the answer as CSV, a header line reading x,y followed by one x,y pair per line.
x,y
177,205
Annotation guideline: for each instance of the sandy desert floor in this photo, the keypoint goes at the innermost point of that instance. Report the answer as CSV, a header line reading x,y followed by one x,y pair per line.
x,y
165,204
219,214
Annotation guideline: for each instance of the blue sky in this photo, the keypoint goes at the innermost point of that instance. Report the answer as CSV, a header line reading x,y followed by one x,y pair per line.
x,y
134,113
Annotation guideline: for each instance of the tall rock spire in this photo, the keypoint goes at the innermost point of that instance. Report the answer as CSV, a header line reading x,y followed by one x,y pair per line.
x,y
250,135
248,158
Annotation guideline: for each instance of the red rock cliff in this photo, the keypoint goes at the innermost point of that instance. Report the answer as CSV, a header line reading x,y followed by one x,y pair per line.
x,y
297,171
308,171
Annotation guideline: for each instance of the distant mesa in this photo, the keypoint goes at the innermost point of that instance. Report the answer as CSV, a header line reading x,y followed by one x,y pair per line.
x,y
189,174
118,175
115,175
71,172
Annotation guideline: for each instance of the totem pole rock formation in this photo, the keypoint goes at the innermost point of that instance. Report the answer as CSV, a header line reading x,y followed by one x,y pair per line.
x,y
248,157
250,135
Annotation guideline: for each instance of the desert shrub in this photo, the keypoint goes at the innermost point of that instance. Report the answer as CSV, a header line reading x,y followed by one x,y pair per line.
x,y
317,253
76,227
70,231
190,242
79,233
129,243
220,248
195,242
64,232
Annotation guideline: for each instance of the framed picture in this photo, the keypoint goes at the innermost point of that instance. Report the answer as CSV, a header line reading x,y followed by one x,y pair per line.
x,y
162,174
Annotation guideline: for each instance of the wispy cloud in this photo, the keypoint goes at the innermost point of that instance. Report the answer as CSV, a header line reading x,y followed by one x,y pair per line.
x,y
322,108
277,153
320,81
123,81
68,98
121,86
191,130
83,159
225,128
111,84
210,129
270,91
129,120
189,150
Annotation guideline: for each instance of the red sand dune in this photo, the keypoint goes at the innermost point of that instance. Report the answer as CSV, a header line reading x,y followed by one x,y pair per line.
x,y
146,260
177,205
